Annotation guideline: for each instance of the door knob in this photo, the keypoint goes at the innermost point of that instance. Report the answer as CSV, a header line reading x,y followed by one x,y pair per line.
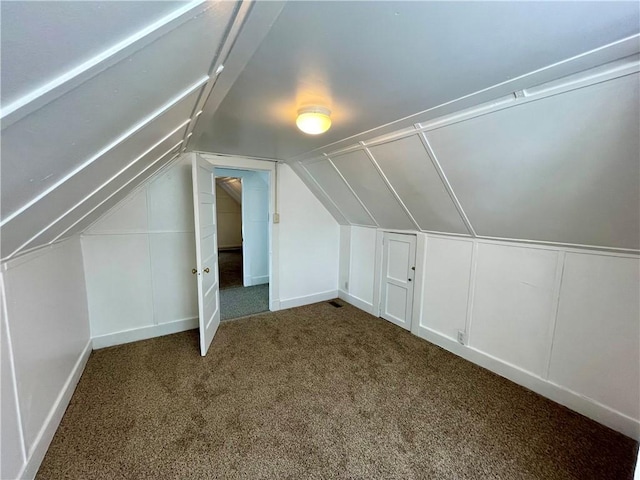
x,y
206,270
194,271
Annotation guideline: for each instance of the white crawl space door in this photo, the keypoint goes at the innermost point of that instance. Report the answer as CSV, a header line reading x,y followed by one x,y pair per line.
x,y
398,272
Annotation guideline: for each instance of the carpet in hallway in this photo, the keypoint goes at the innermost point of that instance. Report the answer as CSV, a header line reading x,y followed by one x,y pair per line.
x,y
242,301
317,392
230,268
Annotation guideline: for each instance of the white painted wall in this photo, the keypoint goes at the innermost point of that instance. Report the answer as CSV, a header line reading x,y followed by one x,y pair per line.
x,y
138,262
229,220
45,344
309,244
562,322
138,258
360,250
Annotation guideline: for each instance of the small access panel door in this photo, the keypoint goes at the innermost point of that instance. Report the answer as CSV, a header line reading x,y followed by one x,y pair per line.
x,y
398,272
206,271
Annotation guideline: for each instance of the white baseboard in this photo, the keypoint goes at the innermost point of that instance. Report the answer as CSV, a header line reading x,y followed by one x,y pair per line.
x,y
356,302
48,430
308,299
572,400
259,280
143,333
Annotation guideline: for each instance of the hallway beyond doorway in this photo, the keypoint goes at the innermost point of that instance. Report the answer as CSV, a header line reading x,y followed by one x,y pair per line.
x,y
243,301
237,300
230,268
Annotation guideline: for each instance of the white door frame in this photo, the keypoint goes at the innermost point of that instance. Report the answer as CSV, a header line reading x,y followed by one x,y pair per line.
x,y
243,163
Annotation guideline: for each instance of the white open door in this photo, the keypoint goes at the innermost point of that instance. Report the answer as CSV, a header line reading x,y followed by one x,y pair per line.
x,y
398,271
204,208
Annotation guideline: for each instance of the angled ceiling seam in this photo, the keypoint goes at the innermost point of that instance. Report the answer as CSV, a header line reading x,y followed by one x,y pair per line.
x,y
445,181
253,30
71,79
373,219
390,187
102,186
172,159
309,179
233,29
127,134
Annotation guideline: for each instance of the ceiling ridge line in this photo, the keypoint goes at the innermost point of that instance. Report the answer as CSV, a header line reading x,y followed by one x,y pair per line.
x,y
122,138
447,185
64,83
230,36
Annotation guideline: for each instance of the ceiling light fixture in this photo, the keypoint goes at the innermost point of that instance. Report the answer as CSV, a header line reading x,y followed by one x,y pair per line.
x,y
314,120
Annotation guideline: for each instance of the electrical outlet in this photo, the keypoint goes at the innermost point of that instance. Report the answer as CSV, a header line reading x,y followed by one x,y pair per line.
x,y
346,286
461,337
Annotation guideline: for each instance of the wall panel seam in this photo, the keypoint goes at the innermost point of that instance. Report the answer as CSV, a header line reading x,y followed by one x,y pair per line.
x,y
14,377
471,291
553,317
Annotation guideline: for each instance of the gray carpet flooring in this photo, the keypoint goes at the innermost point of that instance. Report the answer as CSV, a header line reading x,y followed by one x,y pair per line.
x,y
317,392
230,268
242,301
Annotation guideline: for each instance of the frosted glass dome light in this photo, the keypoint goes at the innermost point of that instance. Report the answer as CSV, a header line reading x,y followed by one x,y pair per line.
x,y
314,120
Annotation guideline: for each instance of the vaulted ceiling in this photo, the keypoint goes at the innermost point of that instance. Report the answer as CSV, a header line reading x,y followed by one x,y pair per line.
x,y
99,96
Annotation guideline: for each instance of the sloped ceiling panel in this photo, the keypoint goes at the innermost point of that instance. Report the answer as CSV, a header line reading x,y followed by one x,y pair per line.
x,y
561,169
154,168
121,161
371,189
61,136
320,194
324,173
410,171
59,226
373,63
232,186
55,157
35,48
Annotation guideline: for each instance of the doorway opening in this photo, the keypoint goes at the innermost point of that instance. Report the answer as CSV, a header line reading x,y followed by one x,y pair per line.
x,y
229,211
258,206
242,207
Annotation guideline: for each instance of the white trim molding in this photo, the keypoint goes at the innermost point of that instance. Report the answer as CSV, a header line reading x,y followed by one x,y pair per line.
x,y
356,302
144,333
48,430
574,401
308,299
